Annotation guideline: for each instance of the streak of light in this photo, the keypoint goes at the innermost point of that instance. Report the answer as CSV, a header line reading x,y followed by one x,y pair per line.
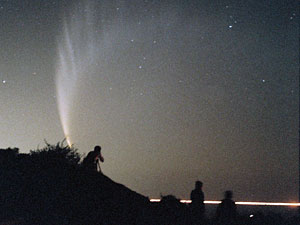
x,y
154,200
242,203
68,139
269,203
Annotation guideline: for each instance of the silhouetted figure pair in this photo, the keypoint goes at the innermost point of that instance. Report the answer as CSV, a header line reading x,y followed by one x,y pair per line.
x,y
91,161
197,206
226,211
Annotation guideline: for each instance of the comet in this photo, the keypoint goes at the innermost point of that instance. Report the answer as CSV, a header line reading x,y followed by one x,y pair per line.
x,y
66,77
76,48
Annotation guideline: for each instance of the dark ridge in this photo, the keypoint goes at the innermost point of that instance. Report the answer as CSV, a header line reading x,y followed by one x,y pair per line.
x,y
49,186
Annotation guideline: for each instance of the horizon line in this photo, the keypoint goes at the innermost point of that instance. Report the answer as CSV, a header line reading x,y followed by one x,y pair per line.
x,y
297,204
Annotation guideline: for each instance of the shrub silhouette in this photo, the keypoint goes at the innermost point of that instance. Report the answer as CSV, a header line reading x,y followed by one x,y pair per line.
x,y
58,154
48,186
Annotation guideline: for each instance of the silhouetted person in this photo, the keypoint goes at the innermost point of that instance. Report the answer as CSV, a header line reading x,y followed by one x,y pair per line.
x,y
91,161
226,211
197,205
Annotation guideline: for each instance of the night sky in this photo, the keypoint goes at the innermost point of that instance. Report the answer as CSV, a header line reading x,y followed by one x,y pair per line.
x,y
173,91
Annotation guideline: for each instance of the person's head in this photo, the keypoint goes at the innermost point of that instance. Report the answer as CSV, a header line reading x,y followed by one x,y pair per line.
x,y
97,149
228,194
198,184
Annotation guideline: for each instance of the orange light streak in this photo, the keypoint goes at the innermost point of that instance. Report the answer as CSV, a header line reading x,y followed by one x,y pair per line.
x,y
242,203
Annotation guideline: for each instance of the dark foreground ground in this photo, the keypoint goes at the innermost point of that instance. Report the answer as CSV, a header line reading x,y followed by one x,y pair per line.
x,y
48,186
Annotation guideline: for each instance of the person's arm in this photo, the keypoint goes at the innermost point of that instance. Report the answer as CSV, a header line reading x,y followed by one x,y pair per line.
x,y
98,166
101,158
202,196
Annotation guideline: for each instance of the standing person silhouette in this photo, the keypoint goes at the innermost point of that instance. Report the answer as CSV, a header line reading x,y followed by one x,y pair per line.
x,y
197,205
91,161
226,211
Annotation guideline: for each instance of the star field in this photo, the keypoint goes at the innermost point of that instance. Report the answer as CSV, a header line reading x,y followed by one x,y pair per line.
x,y
173,91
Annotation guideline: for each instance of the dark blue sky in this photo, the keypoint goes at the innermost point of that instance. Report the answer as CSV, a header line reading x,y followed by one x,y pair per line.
x,y
174,91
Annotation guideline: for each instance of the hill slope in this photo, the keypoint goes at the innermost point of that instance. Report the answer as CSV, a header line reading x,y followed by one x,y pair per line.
x,y
49,187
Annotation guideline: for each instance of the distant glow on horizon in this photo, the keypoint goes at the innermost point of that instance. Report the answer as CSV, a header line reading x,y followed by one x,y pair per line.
x,y
241,203
269,203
